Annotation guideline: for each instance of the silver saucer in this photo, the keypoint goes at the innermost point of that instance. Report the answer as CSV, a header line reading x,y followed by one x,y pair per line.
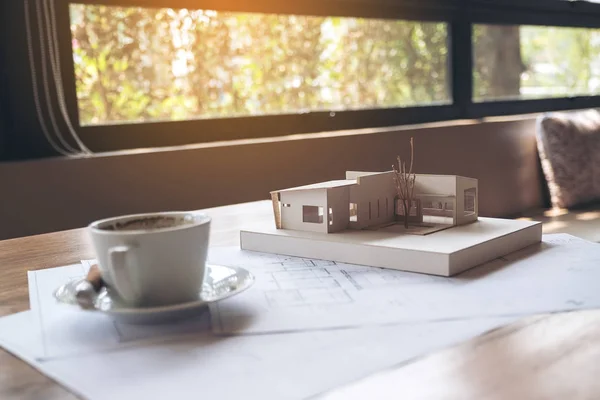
x,y
220,283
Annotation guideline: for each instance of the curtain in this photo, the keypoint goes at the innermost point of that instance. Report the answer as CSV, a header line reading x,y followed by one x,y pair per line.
x,y
31,121
4,115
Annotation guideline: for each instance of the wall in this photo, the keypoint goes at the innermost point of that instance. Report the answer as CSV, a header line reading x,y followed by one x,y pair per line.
x,y
55,194
435,184
338,201
292,217
370,197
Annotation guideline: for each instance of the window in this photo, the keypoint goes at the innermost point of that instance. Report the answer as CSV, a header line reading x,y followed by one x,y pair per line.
x,y
161,74
528,62
136,64
353,212
470,196
312,214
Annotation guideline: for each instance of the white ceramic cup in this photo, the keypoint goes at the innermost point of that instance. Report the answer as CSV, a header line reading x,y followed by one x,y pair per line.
x,y
153,259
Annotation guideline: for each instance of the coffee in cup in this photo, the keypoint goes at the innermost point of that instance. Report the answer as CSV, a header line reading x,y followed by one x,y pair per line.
x,y
153,259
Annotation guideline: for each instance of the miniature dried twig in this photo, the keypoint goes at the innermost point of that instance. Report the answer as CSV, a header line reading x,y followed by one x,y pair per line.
x,y
405,183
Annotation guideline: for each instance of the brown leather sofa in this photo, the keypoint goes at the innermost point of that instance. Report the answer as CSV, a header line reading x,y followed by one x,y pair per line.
x,y
54,194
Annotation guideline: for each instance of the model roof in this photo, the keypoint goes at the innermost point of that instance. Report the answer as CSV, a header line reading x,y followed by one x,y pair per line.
x,y
321,185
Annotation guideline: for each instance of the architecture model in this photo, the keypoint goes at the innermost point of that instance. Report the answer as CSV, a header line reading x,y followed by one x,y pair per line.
x,y
395,219
370,200
379,201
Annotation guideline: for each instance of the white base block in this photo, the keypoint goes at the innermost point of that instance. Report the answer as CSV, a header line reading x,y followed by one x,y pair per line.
x,y
444,253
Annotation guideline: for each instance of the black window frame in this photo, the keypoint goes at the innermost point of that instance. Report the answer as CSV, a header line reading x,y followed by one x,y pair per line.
x,y
460,15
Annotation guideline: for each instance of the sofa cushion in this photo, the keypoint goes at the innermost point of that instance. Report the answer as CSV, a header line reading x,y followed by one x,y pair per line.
x,y
569,148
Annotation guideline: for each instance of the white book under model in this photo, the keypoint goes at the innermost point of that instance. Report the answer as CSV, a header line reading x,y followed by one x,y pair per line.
x,y
356,221
444,253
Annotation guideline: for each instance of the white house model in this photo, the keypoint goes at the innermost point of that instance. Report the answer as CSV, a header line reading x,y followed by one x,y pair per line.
x,y
368,200
361,220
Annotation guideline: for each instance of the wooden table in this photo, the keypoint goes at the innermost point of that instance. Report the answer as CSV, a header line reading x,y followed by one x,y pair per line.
x,y
555,356
542,357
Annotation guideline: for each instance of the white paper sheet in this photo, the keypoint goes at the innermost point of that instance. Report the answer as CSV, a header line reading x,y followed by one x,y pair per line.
x,y
293,294
277,366
67,330
17,330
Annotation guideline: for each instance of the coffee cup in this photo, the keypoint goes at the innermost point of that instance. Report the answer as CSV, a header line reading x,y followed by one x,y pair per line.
x,y
153,259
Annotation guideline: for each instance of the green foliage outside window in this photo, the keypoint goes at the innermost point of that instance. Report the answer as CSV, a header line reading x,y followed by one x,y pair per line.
x,y
148,64
136,64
